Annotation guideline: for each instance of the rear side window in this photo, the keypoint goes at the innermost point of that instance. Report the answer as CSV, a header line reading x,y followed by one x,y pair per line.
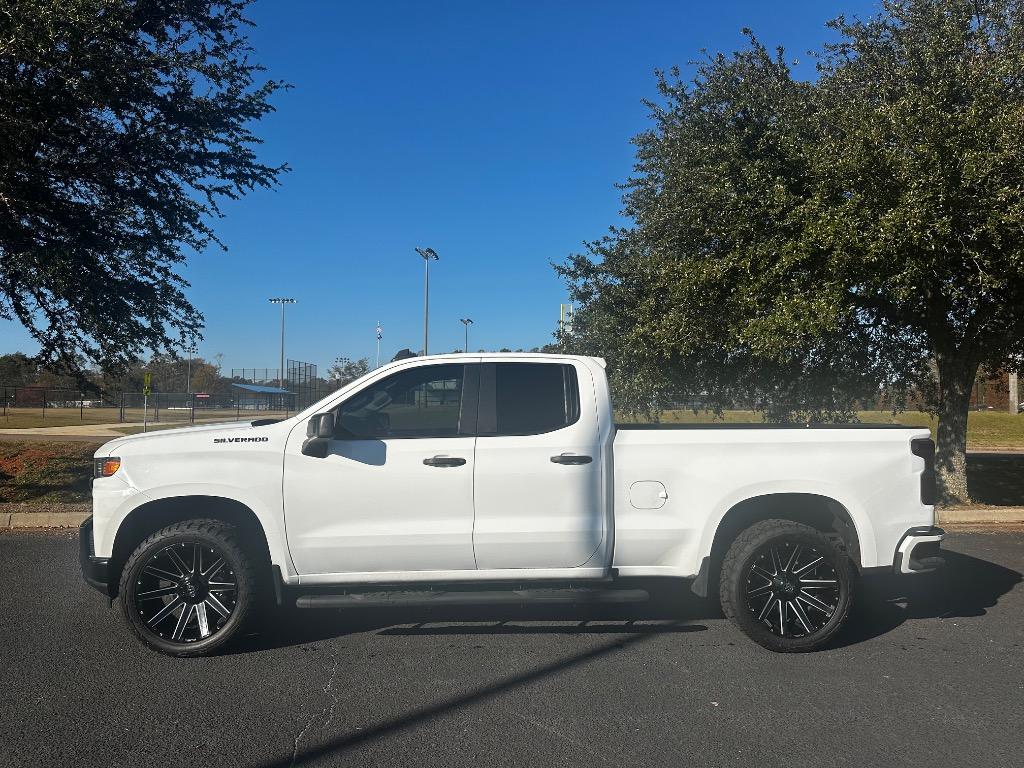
x,y
527,398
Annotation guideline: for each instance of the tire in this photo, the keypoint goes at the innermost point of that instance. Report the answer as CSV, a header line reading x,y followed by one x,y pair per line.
x,y
786,586
194,566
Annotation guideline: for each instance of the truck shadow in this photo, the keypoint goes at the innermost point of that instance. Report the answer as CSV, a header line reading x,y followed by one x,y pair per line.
x,y
967,586
308,626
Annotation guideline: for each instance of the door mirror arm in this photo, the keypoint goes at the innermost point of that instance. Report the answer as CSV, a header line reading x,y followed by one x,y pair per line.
x,y
319,431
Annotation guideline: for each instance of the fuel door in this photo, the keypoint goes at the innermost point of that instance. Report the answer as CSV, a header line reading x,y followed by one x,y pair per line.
x,y
647,494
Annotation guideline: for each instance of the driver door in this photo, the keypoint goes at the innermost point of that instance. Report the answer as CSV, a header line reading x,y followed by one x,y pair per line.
x,y
395,491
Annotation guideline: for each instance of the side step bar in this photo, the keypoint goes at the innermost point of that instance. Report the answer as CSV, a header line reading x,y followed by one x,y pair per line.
x,y
495,597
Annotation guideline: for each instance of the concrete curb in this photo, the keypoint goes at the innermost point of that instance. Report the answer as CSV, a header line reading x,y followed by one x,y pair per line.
x,y
1004,515
42,519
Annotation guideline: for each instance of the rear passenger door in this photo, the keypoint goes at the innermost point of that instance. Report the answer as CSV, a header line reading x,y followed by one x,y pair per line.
x,y
538,481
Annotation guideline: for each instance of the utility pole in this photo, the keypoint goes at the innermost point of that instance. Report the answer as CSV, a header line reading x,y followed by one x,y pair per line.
x,y
1014,394
429,255
466,322
280,371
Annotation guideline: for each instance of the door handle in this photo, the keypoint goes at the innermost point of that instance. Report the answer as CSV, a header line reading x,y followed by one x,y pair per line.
x,y
571,458
444,461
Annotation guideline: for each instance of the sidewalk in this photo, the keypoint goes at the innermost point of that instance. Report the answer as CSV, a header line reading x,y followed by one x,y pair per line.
x,y
61,515
99,432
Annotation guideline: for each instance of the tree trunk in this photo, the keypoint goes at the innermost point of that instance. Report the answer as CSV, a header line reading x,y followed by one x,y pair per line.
x,y
956,378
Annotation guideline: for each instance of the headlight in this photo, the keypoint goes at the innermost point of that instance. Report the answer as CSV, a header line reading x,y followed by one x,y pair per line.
x,y
106,467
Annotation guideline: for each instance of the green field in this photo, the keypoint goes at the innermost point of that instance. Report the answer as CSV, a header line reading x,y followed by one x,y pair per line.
x,y
985,429
31,418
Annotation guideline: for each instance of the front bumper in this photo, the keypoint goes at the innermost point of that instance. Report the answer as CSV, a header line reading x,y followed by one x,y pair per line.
x,y
95,570
918,551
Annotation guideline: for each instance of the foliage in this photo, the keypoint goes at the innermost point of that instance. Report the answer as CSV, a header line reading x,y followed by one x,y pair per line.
x,y
123,123
800,246
18,370
169,374
344,371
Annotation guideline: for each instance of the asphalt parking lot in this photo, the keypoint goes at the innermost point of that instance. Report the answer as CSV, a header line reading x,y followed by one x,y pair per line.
x,y
930,673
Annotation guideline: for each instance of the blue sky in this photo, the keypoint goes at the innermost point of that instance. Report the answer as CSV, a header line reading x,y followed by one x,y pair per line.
x,y
493,132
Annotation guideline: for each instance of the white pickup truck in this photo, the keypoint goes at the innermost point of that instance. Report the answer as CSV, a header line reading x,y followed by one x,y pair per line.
x,y
460,479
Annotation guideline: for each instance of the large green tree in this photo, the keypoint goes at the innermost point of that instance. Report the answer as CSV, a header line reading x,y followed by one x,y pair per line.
x,y
806,245
123,123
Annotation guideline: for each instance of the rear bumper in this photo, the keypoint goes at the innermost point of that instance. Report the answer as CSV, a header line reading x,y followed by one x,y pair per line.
x,y
95,570
919,551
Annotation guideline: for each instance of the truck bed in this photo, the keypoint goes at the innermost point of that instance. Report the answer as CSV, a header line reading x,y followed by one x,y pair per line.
x,y
675,482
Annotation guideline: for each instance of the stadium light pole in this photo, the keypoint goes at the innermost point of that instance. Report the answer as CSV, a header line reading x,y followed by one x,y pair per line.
x,y
466,321
380,333
188,380
429,255
280,371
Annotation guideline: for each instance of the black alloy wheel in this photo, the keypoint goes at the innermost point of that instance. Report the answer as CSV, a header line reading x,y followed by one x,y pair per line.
x,y
787,586
187,589
186,592
792,589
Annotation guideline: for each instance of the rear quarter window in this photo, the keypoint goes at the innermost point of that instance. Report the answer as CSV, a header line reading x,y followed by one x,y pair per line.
x,y
529,398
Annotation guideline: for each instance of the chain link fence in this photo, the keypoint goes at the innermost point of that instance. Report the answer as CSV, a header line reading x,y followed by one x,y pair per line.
x,y
26,407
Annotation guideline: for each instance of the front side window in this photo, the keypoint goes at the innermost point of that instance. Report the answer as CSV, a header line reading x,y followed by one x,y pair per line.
x,y
528,398
418,402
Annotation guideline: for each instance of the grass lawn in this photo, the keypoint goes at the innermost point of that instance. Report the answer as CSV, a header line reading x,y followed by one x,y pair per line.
x,y
26,418
30,418
38,471
985,429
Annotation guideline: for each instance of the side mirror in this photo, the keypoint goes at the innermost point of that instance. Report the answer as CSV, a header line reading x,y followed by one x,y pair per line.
x,y
319,431
325,427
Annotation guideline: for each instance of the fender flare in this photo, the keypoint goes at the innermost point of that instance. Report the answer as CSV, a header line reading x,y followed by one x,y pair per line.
x,y
272,522
858,515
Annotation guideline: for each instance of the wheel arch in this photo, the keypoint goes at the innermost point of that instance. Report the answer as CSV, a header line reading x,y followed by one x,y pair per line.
x,y
151,516
819,511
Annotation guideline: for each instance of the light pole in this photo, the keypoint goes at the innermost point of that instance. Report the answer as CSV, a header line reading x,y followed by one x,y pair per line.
x,y
380,334
466,322
188,380
280,372
429,255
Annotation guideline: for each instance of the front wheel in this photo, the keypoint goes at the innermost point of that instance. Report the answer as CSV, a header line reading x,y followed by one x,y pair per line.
x,y
187,589
786,586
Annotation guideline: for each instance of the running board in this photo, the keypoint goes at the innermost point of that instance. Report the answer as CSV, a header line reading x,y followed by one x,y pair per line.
x,y
494,597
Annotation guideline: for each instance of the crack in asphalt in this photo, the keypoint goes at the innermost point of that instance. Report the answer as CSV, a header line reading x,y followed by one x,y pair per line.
x,y
550,729
327,709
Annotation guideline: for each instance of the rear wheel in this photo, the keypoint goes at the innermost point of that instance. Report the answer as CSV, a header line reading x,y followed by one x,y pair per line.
x,y
786,586
187,589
